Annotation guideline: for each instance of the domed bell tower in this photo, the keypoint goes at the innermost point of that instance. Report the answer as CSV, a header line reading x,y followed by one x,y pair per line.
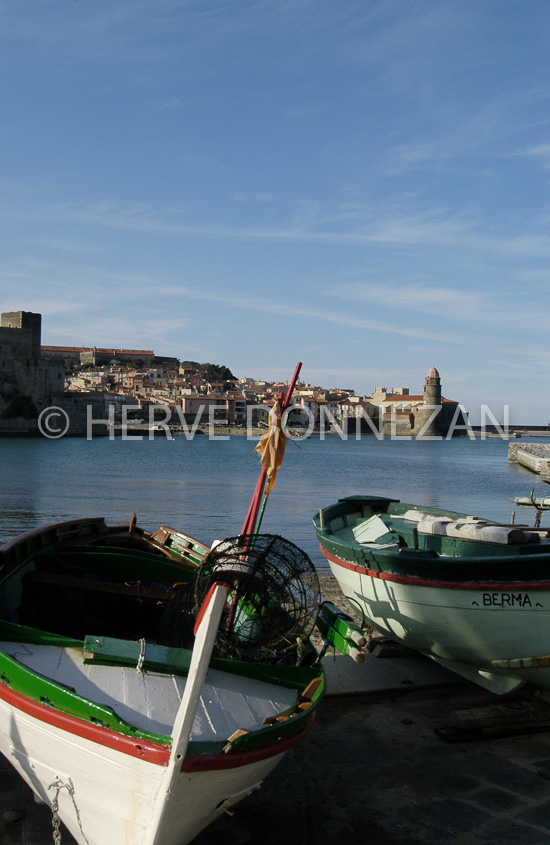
x,y
432,388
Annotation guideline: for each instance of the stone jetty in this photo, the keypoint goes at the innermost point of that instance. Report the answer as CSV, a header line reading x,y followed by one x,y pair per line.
x,y
533,456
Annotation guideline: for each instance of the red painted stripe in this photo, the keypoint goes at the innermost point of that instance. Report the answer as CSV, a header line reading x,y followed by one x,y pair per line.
x,y
434,582
210,762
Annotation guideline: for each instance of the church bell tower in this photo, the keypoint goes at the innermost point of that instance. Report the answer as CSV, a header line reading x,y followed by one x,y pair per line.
x,y
432,388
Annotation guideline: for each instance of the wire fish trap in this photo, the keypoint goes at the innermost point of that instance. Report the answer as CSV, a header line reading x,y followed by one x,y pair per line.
x,y
273,601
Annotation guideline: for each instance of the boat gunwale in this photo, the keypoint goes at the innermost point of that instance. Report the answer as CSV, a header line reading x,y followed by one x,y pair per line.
x,y
148,751
92,521
426,565
86,710
88,532
419,581
209,762
387,556
132,745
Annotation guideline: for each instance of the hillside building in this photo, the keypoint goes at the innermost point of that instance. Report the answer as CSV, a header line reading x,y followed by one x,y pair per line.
x,y
95,355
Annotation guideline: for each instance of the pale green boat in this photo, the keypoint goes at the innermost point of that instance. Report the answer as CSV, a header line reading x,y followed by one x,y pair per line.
x,y
472,594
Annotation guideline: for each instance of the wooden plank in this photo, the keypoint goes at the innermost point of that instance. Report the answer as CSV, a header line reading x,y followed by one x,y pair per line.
x,y
202,651
127,652
510,719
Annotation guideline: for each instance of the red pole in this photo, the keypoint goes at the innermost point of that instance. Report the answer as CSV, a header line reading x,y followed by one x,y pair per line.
x,y
254,507
292,385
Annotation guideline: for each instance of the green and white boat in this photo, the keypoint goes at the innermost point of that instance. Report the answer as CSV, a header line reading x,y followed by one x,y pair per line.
x,y
472,594
114,711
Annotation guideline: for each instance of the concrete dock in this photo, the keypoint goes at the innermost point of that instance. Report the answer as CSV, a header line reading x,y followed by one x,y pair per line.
x,y
374,770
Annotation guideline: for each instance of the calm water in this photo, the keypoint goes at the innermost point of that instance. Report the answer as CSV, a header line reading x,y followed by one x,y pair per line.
x,y
204,486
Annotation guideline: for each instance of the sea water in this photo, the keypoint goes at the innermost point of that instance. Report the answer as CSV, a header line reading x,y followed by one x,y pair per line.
x,y
203,486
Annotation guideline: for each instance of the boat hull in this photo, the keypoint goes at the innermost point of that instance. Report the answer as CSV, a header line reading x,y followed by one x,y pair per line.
x,y
467,630
105,795
486,617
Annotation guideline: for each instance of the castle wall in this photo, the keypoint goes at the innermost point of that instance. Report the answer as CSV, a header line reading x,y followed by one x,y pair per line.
x,y
418,423
27,382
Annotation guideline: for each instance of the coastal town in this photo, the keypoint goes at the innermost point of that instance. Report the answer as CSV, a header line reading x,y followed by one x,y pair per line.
x,y
137,386
274,437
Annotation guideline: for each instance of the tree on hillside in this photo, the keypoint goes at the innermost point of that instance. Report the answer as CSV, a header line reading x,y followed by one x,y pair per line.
x,y
212,372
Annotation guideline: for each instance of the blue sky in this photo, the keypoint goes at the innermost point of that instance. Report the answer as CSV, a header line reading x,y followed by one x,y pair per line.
x,y
359,185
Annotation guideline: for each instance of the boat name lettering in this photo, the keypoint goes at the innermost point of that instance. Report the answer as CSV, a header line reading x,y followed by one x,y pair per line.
x,y
506,600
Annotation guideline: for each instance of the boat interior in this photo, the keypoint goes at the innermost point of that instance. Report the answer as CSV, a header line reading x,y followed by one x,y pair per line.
x,y
143,699
72,590
387,525
100,628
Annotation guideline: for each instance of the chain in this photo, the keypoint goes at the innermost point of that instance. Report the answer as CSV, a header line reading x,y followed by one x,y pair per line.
x,y
55,816
141,659
58,785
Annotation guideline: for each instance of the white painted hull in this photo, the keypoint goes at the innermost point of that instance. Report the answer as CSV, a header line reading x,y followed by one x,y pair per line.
x,y
114,793
499,639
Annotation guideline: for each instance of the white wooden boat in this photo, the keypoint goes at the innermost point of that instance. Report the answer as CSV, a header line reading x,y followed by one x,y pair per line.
x,y
471,594
131,741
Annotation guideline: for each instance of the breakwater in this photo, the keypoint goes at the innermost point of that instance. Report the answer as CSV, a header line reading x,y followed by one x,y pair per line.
x,y
533,456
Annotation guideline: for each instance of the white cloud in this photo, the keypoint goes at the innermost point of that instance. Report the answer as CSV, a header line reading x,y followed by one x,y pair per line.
x,y
485,309
541,151
308,313
415,297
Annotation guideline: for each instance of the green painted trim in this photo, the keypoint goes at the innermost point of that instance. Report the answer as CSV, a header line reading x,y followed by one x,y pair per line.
x,y
115,560
112,651
13,633
45,691
330,633
339,620
271,734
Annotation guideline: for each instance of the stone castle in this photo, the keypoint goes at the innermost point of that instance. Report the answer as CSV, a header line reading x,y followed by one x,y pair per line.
x,y
27,381
30,383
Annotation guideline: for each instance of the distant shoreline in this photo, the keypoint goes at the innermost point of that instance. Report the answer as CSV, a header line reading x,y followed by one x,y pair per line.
x,y
221,432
